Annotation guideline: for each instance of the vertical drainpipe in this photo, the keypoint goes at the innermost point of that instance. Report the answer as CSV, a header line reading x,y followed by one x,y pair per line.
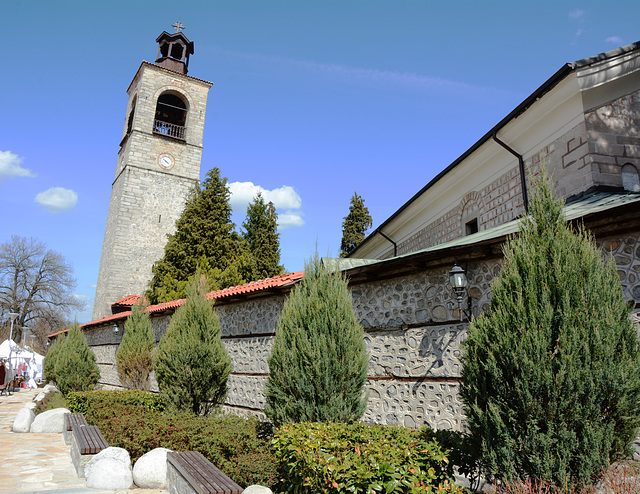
x,y
395,246
525,197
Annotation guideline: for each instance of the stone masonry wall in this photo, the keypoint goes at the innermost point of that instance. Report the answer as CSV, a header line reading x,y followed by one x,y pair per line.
x,y
412,332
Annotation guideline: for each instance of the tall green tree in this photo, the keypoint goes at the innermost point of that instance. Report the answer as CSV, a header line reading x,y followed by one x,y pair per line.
x,y
551,375
135,352
191,363
51,359
205,238
355,225
263,239
75,366
318,364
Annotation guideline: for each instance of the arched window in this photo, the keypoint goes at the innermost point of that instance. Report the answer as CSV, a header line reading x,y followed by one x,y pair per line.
x,y
171,116
630,179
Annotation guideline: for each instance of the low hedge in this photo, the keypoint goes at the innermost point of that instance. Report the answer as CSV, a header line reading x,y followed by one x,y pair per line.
x,y
132,420
357,458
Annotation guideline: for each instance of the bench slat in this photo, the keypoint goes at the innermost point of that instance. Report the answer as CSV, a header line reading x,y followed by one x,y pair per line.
x,y
204,477
90,440
218,481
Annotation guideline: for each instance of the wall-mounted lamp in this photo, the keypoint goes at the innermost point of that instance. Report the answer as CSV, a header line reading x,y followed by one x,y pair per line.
x,y
459,282
116,329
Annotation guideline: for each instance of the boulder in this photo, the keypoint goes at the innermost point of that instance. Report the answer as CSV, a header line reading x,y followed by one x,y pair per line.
x,y
257,489
109,470
150,471
49,421
23,420
40,396
31,405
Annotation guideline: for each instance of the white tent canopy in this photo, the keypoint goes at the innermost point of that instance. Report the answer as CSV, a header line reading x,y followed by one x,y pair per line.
x,y
24,360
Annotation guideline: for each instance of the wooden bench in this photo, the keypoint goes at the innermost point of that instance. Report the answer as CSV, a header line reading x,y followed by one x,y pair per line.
x,y
72,420
190,472
87,442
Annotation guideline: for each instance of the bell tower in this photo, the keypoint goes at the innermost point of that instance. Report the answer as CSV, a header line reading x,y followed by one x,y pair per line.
x,y
158,165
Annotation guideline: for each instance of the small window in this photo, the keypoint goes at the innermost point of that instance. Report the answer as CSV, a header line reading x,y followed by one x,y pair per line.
x,y
131,115
176,51
630,179
471,227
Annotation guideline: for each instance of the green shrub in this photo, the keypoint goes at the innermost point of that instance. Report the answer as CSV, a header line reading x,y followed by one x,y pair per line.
x,y
50,360
551,377
91,402
132,420
75,367
49,402
135,352
191,363
331,458
318,364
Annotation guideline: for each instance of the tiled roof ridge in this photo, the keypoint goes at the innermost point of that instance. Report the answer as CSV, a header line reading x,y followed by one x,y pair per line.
x,y
251,287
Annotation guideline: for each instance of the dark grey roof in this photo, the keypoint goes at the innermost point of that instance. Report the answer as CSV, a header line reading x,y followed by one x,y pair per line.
x,y
591,204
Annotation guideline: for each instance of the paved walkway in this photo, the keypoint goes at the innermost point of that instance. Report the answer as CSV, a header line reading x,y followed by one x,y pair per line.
x,y
38,463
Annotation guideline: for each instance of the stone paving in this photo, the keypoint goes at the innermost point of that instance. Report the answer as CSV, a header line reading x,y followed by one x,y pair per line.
x,y
38,463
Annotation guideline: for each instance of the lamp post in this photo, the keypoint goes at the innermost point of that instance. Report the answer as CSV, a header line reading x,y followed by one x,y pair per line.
x,y
12,316
458,281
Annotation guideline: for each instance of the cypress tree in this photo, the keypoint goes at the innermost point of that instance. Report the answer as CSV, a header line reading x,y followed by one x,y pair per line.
x,y
191,363
50,360
551,376
135,352
318,364
355,225
205,238
75,367
263,239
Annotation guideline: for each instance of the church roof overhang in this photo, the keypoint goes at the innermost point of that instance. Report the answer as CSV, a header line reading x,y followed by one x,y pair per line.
x,y
541,91
149,64
594,210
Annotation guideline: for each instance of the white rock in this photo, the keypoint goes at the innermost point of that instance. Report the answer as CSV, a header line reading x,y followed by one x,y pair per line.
x,y
150,471
257,489
108,474
40,396
31,405
23,420
49,421
49,388
109,469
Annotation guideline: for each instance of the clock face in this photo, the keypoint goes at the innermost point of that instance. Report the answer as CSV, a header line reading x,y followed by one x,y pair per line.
x,y
166,161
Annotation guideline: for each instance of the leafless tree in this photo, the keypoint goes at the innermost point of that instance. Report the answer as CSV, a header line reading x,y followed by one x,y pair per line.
x,y
35,282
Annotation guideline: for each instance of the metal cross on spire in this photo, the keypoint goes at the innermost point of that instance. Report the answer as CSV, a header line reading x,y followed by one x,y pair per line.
x,y
178,25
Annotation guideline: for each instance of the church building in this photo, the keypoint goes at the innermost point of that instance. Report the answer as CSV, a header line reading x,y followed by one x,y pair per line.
x,y
582,124
158,165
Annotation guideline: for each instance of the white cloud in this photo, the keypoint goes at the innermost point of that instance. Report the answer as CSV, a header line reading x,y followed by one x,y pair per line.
x,y
242,193
576,14
283,198
289,219
616,40
10,166
57,199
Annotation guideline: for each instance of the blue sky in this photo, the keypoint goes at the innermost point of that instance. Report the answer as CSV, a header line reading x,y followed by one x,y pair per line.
x,y
311,101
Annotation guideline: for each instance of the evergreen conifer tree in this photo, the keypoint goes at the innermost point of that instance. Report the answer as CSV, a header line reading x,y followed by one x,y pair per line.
x,y
318,364
205,238
191,363
551,376
50,360
135,352
355,225
75,367
263,239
